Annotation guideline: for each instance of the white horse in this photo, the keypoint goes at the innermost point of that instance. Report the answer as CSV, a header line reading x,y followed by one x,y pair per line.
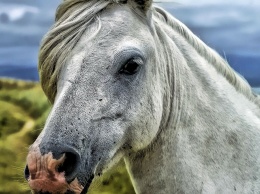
x,y
127,80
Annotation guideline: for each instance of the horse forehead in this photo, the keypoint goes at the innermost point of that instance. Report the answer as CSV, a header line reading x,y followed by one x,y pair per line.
x,y
119,13
121,20
121,28
117,26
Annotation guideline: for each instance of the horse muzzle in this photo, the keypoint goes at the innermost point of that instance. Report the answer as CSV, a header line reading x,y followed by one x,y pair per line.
x,y
54,172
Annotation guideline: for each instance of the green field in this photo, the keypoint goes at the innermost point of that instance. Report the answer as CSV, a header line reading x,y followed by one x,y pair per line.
x,y
23,111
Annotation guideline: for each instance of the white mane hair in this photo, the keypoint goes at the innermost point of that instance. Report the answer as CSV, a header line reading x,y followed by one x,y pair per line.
x,y
221,65
72,19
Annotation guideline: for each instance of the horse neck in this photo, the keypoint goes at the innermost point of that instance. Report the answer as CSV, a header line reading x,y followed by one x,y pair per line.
x,y
212,131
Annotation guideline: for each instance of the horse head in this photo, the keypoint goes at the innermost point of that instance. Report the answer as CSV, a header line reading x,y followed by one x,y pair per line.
x,y
100,67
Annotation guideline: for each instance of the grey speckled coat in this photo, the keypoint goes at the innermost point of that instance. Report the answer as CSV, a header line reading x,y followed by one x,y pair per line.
x,y
130,81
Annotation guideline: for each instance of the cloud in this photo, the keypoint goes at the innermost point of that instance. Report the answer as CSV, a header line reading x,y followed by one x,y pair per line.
x,y
15,13
22,26
230,27
237,24
256,90
199,3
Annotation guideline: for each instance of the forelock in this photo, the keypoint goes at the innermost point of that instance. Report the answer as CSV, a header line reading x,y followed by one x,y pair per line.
x,y
72,20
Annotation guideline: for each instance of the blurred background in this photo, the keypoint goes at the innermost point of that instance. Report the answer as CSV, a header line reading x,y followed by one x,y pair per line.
x,y
230,27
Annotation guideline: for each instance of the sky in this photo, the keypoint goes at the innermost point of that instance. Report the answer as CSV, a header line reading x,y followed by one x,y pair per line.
x,y
232,27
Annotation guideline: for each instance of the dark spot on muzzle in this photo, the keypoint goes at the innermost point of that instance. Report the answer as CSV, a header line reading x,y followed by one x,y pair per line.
x,y
26,173
70,192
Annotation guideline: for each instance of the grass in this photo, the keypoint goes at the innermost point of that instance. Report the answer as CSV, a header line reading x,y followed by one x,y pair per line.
x,y
10,122
22,105
23,111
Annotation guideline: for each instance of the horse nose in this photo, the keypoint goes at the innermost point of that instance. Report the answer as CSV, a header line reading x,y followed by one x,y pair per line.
x,y
69,166
26,173
55,169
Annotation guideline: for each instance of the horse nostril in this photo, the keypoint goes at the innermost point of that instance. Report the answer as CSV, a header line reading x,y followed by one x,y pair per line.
x,y
69,166
26,173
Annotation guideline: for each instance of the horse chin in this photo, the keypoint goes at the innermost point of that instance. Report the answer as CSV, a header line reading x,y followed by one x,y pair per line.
x,y
48,187
107,163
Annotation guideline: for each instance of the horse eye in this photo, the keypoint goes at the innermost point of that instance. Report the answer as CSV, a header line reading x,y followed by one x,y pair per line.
x,y
131,67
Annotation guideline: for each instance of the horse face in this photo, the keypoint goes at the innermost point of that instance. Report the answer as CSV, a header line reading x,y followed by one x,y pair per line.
x,y
108,104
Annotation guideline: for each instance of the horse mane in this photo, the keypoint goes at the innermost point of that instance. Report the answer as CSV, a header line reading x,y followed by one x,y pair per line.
x,y
71,21
221,65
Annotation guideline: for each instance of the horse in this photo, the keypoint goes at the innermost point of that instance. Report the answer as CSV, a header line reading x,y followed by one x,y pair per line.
x,y
129,81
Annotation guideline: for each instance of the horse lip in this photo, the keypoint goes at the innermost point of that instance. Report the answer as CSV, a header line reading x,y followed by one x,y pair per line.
x,y
70,190
85,190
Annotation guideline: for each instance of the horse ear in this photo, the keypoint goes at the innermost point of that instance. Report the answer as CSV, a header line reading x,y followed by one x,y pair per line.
x,y
142,4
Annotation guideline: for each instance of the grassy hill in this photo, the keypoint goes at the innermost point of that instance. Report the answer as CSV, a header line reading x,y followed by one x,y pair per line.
x,y
23,111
